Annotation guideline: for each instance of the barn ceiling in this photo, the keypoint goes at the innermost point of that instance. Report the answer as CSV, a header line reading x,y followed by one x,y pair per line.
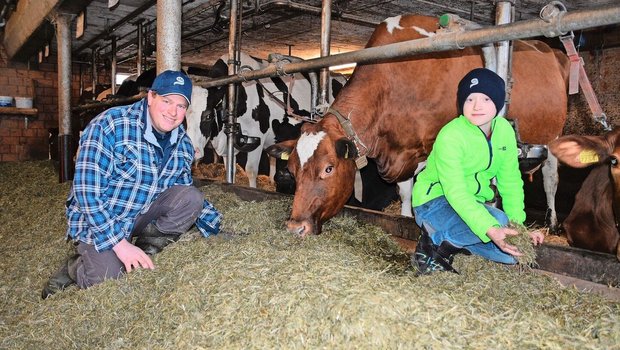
x,y
267,26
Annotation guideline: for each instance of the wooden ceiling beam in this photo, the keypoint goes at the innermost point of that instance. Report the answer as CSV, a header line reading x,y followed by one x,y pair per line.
x,y
28,29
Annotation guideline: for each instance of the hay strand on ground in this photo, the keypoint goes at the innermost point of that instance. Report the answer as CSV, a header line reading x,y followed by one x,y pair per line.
x,y
262,287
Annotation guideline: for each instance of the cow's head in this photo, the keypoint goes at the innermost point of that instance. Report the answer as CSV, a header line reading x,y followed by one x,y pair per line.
x,y
205,116
584,151
322,161
604,151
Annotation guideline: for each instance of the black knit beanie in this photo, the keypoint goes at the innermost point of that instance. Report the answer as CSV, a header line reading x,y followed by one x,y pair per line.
x,y
485,81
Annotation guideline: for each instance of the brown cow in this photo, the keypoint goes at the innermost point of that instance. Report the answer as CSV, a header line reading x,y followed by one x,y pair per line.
x,y
397,108
592,223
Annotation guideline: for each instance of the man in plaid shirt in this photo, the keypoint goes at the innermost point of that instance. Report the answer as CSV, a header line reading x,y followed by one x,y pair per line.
x,y
133,181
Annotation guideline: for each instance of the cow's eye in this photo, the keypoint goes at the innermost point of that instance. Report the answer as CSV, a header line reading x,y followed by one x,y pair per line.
x,y
329,169
613,161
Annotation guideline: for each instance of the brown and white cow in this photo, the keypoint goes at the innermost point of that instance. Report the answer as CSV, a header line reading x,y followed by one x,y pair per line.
x,y
592,223
397,108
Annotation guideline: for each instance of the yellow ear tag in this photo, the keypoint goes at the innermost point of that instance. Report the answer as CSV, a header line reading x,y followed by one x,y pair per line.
x,y
588,156
284,155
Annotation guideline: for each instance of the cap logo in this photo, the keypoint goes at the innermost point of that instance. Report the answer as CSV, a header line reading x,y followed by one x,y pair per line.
x,y
179,81
474,82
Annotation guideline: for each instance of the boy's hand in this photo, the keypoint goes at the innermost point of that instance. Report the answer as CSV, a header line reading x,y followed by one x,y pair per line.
x,y
537,236
498,236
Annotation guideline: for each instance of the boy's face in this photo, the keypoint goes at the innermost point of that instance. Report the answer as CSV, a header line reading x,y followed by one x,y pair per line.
x,y
479,109
167,112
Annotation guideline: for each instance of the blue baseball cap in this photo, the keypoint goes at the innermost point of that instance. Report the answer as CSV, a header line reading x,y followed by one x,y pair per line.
x,y
173,82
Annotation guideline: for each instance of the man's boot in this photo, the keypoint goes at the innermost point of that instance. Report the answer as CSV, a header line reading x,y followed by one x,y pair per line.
x,y
153,241
64,277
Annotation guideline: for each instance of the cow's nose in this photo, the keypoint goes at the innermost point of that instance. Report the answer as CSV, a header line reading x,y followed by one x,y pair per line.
x,y
299,228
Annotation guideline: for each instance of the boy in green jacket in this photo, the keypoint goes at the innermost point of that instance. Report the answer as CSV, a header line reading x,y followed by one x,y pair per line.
x,y
450,194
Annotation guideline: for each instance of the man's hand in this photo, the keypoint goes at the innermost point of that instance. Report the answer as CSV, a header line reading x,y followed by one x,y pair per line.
x,y
498,236
132,256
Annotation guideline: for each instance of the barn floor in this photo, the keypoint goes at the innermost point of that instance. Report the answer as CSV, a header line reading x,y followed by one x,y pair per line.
x,y
260,287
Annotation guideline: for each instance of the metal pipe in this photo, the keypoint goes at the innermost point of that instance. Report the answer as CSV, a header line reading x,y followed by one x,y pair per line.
x,y
140,47
113,65
138,11
279,4
317,11
326,28
519,30
169,13
63,37
93,71
81,79
109,103
502,16
231,105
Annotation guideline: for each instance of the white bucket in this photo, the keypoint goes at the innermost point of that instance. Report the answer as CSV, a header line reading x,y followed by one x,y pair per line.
x,y
23,102
6,101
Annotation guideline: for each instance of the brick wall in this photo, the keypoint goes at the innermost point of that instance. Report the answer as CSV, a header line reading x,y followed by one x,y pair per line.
x,y
20,141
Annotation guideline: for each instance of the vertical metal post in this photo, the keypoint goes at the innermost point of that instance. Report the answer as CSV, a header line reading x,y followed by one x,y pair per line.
x,y
63,38
231,105
326,17
503,15
140,31
94,74
113,65
169,13
81,79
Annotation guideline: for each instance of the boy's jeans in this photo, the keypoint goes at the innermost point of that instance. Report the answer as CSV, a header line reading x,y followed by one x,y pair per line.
x,y
444,224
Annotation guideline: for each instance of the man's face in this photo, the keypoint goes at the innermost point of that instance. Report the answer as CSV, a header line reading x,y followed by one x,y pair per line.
x,y
167,112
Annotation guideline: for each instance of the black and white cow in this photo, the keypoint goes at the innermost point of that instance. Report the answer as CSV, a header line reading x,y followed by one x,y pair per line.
x,y
259,109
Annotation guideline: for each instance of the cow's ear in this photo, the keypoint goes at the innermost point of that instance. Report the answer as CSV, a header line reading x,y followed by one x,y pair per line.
x,y
281,150
346,149
579,151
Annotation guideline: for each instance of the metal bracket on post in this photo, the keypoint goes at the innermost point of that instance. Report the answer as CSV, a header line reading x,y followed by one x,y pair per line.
x,y
553,13
579,77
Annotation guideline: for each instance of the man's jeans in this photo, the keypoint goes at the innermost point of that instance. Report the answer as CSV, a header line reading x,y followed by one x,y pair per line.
x,y
174,211
444,224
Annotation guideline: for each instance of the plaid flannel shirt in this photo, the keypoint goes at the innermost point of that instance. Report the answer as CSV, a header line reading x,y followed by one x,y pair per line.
x,y
118,175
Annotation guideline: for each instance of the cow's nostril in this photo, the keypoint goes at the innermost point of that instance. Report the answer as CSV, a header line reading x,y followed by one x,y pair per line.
x,y
300,230
296,227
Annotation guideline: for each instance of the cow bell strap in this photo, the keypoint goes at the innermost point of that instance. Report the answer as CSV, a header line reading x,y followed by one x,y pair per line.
x,y
361,160
578,74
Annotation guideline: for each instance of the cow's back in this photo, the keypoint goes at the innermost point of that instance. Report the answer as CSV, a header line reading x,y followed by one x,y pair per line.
x,y
401,106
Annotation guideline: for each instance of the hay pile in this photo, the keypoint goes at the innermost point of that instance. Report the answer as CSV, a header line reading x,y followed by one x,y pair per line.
x,y
217,172
263,288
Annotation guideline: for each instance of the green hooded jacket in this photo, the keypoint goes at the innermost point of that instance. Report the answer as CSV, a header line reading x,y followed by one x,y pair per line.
x,y
461,166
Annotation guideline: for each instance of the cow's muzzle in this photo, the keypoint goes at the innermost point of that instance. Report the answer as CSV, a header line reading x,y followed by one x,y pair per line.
x,y
302,228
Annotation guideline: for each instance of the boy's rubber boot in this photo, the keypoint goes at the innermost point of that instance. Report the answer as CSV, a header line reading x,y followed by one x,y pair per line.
x,y
429,258
422,260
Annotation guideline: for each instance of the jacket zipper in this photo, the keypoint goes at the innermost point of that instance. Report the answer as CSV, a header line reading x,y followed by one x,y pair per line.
x,y
431,186
490,156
